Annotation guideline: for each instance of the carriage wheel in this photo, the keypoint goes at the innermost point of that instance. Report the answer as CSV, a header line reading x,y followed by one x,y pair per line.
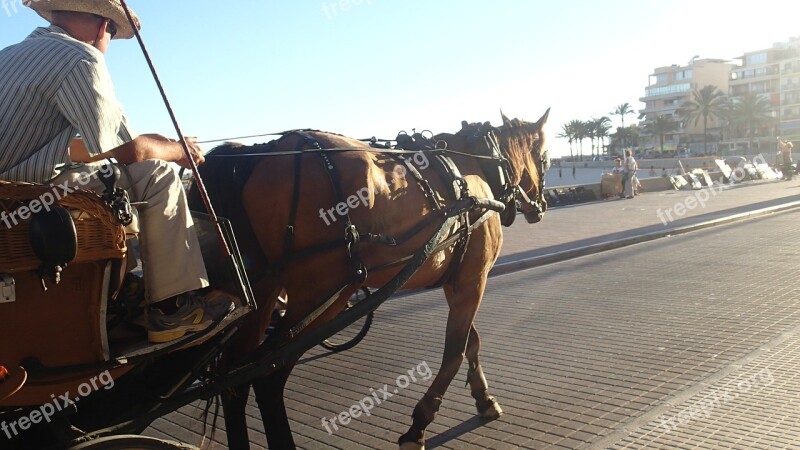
x,y
132,442
352,335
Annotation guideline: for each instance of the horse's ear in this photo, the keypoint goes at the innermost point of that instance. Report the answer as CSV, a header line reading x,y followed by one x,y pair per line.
x,y
506,122
543,119
464,124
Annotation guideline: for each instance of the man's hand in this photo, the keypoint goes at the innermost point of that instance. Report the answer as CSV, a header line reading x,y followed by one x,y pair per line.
x,y
195,151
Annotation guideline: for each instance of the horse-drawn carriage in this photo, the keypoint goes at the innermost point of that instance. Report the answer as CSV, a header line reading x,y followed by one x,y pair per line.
x,y
74,376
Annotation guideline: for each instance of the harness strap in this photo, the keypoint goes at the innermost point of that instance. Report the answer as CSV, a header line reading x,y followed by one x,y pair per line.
x,y
446,243
459,190
300,326
288,239
351,235
423,183
458,237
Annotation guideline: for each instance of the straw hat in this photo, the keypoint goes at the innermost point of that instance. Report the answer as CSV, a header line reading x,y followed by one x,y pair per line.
x,y
111,9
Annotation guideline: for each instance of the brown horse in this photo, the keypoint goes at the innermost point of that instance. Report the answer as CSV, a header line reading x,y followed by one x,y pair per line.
x,y
285,204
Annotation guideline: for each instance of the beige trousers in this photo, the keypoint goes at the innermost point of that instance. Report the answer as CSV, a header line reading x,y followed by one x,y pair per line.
x,y
630,184
171,258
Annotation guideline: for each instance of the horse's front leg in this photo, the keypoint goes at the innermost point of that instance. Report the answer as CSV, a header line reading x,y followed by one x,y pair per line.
x,y
486,404
269,396
234,401
463,305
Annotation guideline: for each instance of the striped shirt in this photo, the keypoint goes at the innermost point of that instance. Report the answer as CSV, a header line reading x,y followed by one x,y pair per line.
x,y
53,87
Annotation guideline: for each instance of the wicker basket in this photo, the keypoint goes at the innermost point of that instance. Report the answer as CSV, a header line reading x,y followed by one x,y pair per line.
x,y
99,235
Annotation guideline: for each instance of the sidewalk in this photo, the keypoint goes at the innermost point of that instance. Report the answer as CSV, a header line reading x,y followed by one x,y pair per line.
x,y
570,227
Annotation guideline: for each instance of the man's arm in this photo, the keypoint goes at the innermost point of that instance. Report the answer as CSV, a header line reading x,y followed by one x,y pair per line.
x,y
144,147
87,99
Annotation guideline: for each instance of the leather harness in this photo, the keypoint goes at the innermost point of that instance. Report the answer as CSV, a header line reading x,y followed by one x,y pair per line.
x,y
493,163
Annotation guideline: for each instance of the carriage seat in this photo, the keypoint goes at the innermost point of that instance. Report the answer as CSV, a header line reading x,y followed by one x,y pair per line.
x,y
64,325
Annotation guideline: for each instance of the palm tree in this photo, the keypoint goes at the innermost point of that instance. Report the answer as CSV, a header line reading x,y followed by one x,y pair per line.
x,y
618,138
751,110
621,111
581,133
706,102
590,132
661,126
601,127
568,133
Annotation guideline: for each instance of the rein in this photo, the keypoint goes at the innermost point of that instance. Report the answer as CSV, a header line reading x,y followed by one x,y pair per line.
x,y
539,204
334,149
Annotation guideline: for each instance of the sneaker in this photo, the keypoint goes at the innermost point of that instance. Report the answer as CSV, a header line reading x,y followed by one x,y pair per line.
x,y
195,313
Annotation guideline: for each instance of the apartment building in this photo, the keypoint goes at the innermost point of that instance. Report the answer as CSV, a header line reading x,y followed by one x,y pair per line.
x,y
774,74
671,86
789,89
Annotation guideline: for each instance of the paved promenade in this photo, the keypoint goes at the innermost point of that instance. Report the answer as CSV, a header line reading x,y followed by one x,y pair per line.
x,y
568,227
689,341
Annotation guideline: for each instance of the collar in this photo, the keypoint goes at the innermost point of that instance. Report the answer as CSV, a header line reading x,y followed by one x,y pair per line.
x,y
56,32
43,31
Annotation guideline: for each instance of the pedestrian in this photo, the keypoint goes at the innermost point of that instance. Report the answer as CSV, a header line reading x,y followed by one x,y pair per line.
x,y
573,171
618,170
738,172
630,167
785,148
652,172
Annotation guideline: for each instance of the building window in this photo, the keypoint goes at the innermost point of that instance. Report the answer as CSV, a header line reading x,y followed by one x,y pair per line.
x,y
666,90
758,88
756,58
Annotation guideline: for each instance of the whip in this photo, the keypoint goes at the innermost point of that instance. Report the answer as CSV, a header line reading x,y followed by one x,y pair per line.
x,y
197,179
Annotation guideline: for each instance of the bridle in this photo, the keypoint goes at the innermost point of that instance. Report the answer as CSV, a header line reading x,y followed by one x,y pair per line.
x,y
499,171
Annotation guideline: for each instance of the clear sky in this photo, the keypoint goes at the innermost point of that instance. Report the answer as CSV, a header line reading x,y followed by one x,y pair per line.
x,y
374,67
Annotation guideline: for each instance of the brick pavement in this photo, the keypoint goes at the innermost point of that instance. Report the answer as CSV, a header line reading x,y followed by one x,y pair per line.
x,y
585,224
591,352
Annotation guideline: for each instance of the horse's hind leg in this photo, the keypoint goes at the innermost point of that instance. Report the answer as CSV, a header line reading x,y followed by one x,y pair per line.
x,y
486,404
463,305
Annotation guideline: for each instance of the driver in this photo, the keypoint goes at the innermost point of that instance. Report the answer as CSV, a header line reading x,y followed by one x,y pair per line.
x,y
55,85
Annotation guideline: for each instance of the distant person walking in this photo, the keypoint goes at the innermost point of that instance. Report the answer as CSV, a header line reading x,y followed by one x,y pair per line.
x,y
785,148
573,171
630,167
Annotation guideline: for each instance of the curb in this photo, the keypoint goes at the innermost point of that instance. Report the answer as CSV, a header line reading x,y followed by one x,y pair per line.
x,y
537,261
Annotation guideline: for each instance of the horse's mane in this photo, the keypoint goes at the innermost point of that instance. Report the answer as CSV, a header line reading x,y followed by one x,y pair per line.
x,y
516,138
519,138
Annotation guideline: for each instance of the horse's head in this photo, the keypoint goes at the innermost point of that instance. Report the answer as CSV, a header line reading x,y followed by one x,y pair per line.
x,y
523,143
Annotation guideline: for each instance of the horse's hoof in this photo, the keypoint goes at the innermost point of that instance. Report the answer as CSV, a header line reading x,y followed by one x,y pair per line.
x,y
494,411
412,446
